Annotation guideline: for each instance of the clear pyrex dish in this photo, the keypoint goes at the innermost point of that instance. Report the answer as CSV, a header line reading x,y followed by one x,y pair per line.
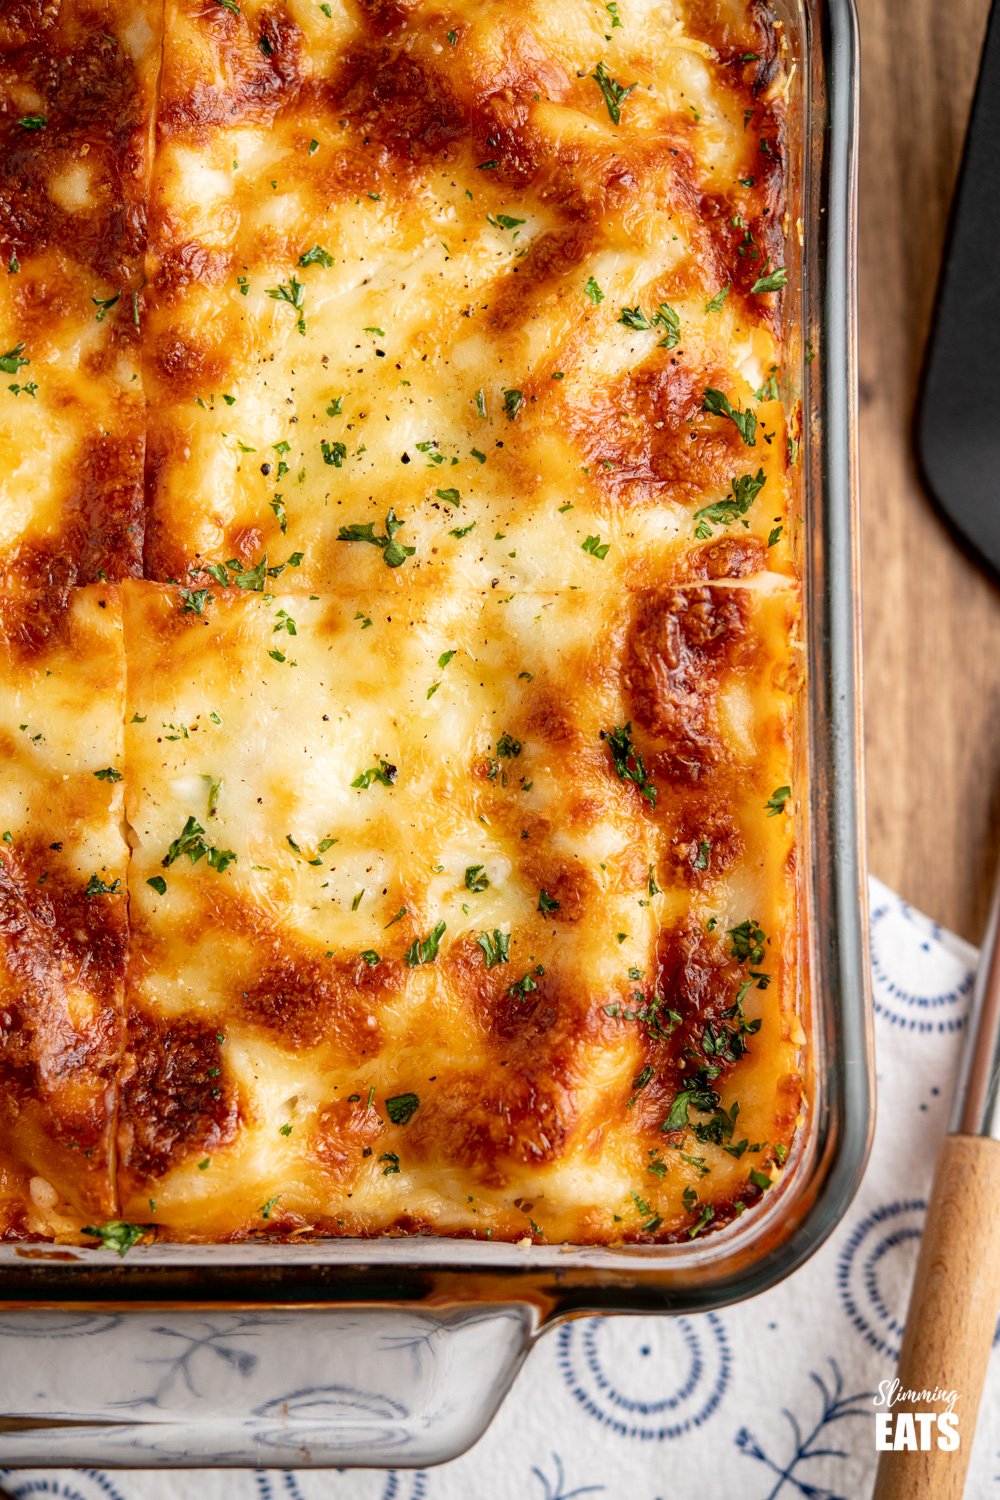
x,y
398,1351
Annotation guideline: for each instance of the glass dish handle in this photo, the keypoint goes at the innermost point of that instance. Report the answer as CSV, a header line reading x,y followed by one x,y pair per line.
x,y
382,1386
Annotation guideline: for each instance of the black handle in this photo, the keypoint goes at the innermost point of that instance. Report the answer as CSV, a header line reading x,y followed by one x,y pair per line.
x,y
958,423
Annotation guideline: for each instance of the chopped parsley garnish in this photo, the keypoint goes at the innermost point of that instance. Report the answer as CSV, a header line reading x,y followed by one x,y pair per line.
x,y
97,887
512,401
627,761
393,1161
34,122
383,773
596,547
526,983
612,10
334,453
700,861
292,293
104,306
425,950
774,535
508,747
714,305
634,317
698,1095
250,578
667,318
772,282
158,884
504,221
748,942
743,492
265,1208
449,496
401,1108
745,418
759,1179
370,957
109,774
476,878
317,256
191,841
593,291
193,601
117,1234
664,317
546,903
776,802
394,554
495,946
639,1082
229,5
13,360
704,1219
614,93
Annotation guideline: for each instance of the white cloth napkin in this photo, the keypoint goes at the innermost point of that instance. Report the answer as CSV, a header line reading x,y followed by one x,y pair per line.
x,y
770,1400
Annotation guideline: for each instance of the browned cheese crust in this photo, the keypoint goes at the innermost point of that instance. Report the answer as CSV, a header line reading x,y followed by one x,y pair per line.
x,y
400,638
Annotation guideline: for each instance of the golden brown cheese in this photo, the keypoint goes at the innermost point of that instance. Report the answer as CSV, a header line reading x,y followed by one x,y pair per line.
x,y
422,389
401,257
386,855
63,859
76,100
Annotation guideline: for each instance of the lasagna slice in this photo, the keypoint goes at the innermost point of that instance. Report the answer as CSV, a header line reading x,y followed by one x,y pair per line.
x,y
63,859
76,100
467,915
428,307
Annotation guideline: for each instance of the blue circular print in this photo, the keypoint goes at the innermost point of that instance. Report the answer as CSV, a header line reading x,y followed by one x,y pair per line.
x,y
647,1378
919,984
333,1417
875,1271
86,1484
342,1484
55,1325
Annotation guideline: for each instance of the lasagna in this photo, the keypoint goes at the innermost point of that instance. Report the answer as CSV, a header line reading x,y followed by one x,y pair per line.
x,y
400,629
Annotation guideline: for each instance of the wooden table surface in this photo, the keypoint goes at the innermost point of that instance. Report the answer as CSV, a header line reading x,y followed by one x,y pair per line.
x,y
931,619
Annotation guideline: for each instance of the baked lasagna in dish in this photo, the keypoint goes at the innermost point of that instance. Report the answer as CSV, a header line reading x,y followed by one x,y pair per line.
x,y
400,658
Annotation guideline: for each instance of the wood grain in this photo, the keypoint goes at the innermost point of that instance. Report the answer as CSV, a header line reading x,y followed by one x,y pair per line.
x,y
931,619
951,1318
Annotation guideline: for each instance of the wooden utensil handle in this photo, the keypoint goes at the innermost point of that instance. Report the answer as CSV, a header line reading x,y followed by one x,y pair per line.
x,y
952,1317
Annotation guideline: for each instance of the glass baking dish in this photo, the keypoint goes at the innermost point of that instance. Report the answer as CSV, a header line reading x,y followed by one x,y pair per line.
x,y
398,1351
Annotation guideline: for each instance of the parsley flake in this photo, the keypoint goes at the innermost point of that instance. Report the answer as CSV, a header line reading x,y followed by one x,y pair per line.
x,y
627,761
425,950
394,554
614,92
745,418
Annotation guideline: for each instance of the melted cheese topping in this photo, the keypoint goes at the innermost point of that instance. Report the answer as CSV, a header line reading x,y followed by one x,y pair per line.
x,y
391,858
76,97
372,238
63,859
452,687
